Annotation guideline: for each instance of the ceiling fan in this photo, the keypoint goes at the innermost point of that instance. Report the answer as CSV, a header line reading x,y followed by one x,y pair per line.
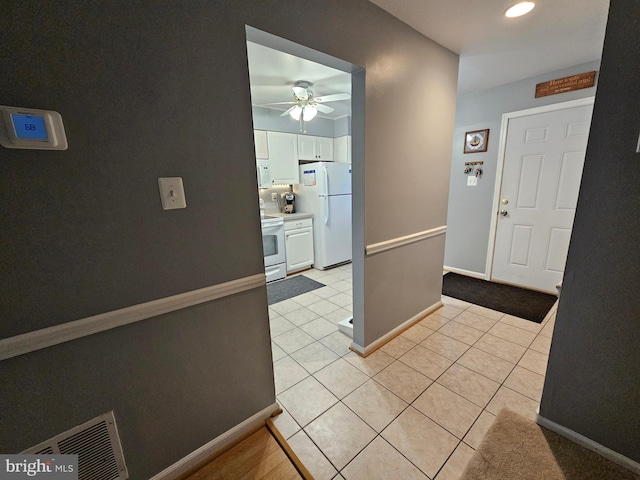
x,y
306,105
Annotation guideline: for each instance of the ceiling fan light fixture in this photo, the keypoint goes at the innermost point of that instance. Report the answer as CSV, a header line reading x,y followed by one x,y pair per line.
x,y
295,113
309,113
519,9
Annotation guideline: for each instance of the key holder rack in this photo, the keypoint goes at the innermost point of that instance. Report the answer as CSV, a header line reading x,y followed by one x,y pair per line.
x,y
468,167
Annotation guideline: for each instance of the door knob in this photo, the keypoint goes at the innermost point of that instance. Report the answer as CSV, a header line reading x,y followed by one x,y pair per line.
x,y
503,213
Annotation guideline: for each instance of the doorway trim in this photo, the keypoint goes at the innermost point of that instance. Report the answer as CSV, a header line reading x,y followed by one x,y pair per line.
x,y
500,165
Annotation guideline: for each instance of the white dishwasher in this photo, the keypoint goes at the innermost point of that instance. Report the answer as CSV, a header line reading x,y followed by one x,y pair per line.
x,y
298,235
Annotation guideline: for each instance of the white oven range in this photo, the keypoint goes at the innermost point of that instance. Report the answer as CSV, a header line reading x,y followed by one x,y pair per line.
x,y
273,246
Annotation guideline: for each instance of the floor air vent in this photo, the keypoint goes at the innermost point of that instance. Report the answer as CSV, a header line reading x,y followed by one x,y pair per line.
x,y
97,445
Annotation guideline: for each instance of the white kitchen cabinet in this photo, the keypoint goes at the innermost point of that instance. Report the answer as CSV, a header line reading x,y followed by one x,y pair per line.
x,y
315,148
260,142
283,158
342,149
298,235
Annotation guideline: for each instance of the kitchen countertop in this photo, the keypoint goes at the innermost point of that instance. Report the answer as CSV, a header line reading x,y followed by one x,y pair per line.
x,y
289,216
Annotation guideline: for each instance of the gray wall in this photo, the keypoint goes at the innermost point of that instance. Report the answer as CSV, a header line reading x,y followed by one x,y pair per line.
x,y
593,382
469,214
152,91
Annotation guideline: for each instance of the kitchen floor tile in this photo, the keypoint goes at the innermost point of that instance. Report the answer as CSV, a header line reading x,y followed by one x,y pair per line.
x,y
475,320
372,364
380,461
375,404
461,332
434,321
285,424
314,357
476,388
504,349
486,312
541,344
338,342
341,378
276,352
449,410
286,306
279,325
307,400
307,299
426,444
293,340
323,307
512,334
525,382
311,457
486,364
456,464
446,346
534,361
402,380
286,373
338,315
521,323
340,434
455,302
319,328
329,279
507,398
547,330
301,316
326,292
417,333
341,299
447,311
398,346
479,429
426,362
343,286
315,274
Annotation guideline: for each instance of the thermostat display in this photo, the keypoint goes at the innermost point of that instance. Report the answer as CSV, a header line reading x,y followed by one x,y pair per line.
x,y
31,129
29,126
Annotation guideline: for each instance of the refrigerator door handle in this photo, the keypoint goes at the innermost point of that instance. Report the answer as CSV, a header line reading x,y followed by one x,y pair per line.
x,y
326,195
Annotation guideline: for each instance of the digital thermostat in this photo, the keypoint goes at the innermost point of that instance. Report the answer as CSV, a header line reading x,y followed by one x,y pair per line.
x,y
31,128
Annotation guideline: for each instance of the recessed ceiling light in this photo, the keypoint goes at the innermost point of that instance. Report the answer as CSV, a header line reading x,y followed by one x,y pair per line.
x,y
519,9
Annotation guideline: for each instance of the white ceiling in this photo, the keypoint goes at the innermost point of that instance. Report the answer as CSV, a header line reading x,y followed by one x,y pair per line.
x,y
272,74
495,50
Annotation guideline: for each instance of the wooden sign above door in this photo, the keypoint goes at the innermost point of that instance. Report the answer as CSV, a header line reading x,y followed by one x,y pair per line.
x,y
566,84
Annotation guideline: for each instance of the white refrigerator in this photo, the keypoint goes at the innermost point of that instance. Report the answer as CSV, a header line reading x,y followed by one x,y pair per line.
x,y
325,191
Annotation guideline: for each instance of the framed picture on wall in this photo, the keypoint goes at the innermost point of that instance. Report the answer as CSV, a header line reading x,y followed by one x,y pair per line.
x,y
476,141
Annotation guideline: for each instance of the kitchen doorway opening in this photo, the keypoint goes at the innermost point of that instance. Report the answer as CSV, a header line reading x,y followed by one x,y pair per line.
x,y
300,107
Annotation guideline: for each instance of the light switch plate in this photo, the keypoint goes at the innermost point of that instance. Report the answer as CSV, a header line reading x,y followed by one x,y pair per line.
x,y
172,193
472,181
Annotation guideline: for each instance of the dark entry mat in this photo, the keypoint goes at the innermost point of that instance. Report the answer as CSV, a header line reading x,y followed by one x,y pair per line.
x,y
290,287
515,301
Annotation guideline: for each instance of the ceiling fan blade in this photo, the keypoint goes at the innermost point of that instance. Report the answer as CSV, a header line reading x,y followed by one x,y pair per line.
x,y
277,103
323,108
333,98
287,112
300,92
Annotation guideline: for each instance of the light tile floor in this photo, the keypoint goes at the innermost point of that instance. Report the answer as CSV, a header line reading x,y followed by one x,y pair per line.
x,y
414,409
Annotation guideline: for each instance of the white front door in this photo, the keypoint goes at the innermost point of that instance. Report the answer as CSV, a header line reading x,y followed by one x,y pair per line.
x,y
543,160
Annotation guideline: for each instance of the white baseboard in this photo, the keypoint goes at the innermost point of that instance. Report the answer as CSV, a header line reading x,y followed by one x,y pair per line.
x,y
364,351
219,443
468,273
589,444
